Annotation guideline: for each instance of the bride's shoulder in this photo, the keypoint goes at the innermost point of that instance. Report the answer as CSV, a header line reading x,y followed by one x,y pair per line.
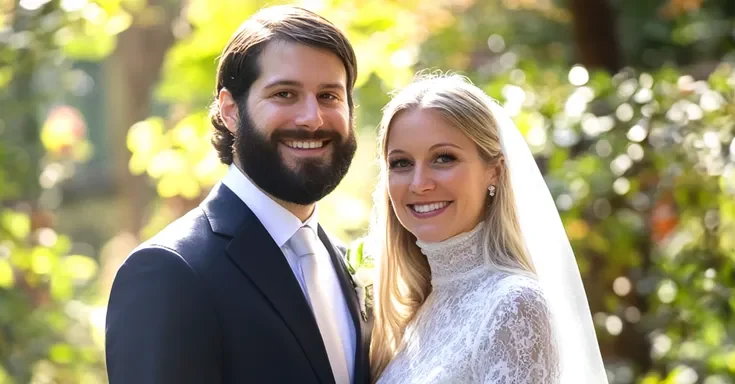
x,y
517,281
518,289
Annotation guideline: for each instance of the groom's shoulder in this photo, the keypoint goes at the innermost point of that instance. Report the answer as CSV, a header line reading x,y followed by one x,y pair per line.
x,y
171,266
188,238
189,231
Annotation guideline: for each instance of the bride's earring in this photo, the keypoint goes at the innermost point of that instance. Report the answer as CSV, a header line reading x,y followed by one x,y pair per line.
x,y
491,190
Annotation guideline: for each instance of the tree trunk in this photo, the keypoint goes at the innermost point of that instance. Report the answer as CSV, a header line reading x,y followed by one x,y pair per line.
x,y
595,34
131,72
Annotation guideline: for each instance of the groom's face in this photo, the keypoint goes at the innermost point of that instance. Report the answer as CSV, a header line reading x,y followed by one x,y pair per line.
x,y
295,139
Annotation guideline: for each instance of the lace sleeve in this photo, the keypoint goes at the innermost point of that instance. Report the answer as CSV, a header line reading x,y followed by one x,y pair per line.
x,y
517,345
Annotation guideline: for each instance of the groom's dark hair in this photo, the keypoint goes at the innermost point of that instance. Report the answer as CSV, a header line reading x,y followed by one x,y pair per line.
x,y
239,64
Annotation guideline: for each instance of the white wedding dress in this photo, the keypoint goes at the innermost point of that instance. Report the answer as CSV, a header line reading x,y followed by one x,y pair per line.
x,y
477,326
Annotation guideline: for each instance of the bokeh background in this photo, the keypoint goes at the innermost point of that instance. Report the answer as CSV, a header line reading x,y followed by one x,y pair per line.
x,y
627,104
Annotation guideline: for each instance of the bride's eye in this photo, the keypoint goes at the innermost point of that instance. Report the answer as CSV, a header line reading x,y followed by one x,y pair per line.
x,y
445,158
399,163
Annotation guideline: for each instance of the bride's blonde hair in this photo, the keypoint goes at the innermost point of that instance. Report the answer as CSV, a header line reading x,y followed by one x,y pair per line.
x,y
404,276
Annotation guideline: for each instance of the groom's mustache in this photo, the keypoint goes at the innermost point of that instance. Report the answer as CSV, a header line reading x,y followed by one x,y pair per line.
x,y
302,134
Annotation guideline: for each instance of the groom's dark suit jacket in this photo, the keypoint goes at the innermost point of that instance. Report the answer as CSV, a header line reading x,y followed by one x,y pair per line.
x,y
211,299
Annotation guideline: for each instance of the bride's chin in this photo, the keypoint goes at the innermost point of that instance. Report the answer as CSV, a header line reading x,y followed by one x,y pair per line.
x,y
429,235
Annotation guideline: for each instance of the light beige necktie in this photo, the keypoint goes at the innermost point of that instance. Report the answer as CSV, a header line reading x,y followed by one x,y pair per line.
x,y
323,306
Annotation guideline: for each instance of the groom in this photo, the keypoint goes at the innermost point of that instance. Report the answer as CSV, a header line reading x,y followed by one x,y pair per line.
x,y
248,288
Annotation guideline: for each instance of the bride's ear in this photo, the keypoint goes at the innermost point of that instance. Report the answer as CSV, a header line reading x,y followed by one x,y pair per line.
x,y
495,171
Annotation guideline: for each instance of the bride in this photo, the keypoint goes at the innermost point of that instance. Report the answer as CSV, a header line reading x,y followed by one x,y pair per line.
x,y
477,280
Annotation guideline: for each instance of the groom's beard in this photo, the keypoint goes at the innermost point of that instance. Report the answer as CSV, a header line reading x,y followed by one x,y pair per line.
x,y
311,180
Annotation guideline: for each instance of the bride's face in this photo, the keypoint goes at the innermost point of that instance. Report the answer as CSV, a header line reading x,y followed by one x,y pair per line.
x,y
437,180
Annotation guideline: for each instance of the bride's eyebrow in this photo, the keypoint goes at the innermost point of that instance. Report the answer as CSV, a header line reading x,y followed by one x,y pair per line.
x,y
435,146
396,152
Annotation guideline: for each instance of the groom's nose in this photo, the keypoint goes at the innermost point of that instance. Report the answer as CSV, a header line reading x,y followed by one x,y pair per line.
x,y
309,114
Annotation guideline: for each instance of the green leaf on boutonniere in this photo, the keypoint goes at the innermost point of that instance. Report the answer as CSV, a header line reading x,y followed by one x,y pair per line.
x,y
358,251
354,255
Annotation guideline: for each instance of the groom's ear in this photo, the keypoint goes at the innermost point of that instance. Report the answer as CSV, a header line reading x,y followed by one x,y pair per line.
x,y
228,110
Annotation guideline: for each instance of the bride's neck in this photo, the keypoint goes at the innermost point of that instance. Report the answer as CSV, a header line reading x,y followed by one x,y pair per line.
x,y
454,257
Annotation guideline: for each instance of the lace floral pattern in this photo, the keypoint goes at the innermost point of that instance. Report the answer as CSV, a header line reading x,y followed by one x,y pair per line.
x,y
454,258
477,326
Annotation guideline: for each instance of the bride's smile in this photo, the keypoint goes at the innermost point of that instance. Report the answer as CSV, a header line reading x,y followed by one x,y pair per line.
x,y
423,210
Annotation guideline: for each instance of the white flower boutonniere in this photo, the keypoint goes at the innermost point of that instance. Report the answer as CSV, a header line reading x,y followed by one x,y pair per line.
x,y
361,267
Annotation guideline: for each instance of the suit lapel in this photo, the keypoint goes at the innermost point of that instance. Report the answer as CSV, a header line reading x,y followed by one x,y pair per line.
x,y
362,328
261,261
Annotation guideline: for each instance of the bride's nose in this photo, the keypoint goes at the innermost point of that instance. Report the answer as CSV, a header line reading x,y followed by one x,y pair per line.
x,y
422,181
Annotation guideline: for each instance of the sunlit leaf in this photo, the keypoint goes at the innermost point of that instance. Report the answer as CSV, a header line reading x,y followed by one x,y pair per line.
x,y
600,80
80,267
132,5
209,170
118,23
21,258
186,133
113,6
731,362
139,162
61,353
168,186
577,229
652,378
525,120
144,136
63,245
42,261
61,287
58,321
94,45
6,75
714,333
17,224
188,187
7,278
4,377
83,151
167,162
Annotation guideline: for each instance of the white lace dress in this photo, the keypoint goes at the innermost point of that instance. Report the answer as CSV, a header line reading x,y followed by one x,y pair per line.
x,y
477,325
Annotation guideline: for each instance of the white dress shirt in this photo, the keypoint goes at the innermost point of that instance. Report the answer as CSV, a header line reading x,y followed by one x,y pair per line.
x,y
282,225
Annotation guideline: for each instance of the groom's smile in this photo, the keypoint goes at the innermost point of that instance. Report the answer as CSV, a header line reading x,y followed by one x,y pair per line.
x,y
300,148
305,150
304,144
298,145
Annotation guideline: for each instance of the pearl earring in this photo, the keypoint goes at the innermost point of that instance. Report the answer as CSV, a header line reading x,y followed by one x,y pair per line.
x,y
491,190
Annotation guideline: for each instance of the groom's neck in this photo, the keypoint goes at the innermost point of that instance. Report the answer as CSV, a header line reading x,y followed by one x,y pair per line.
x,y
302,212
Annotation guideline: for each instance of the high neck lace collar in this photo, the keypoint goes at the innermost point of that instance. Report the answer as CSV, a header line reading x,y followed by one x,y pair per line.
x,y
456,257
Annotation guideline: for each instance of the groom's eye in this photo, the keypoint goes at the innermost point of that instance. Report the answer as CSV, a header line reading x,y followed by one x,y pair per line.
x,y
329,96
284,94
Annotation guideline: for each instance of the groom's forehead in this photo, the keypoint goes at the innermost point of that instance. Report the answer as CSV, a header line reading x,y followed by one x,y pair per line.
x,y
297,65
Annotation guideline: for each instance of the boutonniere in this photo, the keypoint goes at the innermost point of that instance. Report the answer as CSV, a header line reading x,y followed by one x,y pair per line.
x,y
361,268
